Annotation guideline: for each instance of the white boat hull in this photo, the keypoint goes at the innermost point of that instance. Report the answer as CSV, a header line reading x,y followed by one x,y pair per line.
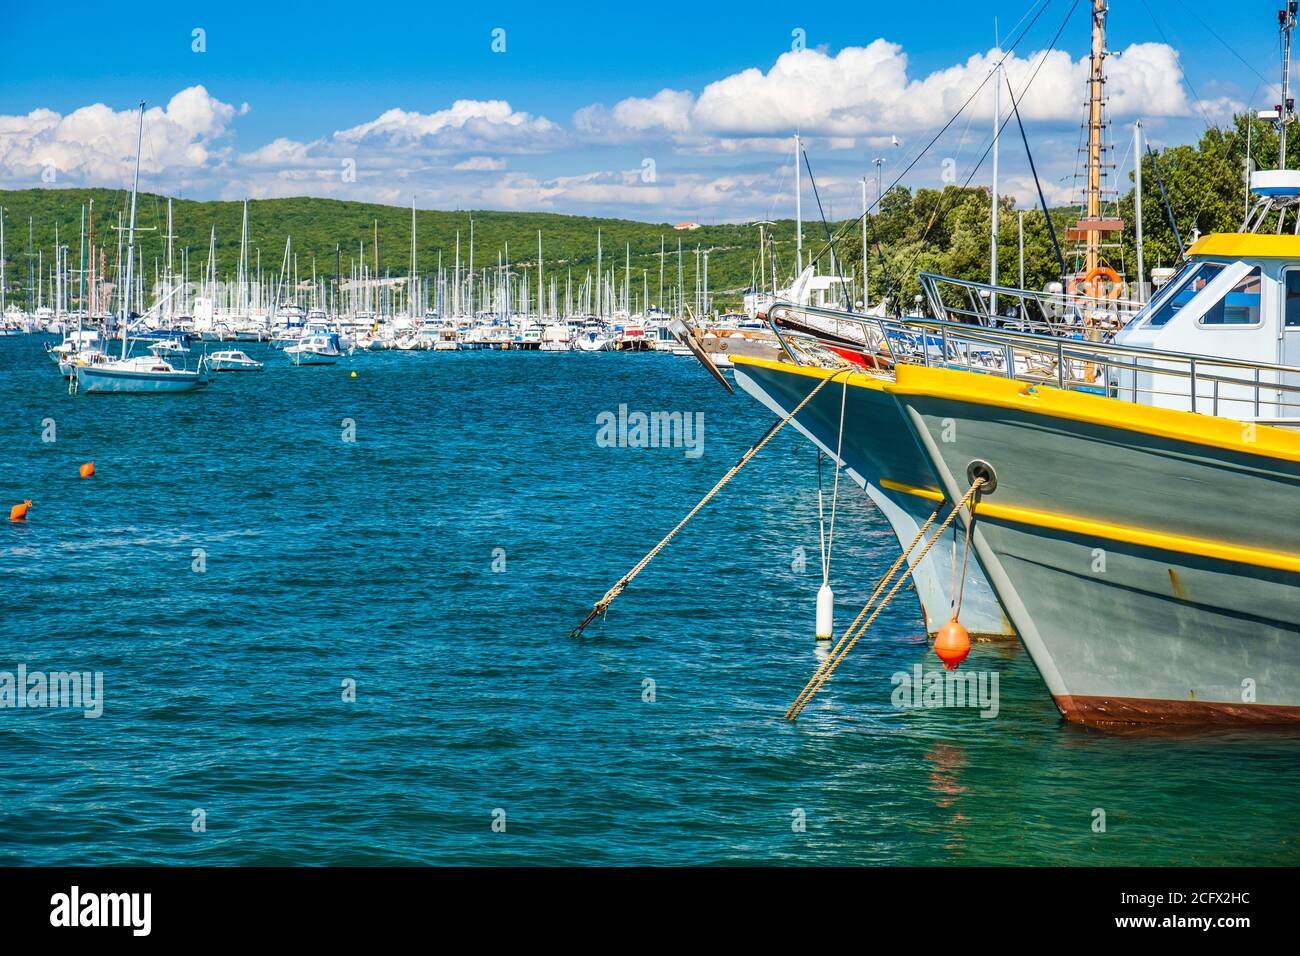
x,y
97,380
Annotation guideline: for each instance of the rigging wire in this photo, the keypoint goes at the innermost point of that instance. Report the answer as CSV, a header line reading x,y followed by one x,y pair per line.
x,y
830,241
1196,100
988,149
952,119
1226,45
1047,214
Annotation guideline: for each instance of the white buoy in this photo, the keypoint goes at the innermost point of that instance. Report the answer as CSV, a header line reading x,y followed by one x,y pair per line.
x,y
825,613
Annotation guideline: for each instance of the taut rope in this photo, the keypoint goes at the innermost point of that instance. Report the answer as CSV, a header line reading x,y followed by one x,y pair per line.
x,y
845,644
621,585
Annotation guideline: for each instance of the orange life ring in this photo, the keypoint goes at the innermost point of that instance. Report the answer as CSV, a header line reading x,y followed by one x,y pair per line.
x,y
1089,283
1105,271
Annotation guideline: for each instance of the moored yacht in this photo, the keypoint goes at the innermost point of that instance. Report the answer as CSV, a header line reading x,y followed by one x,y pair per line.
x,y
137,375
316,348
233,361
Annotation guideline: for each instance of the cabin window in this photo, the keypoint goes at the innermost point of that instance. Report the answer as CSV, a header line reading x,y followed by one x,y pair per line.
x,y
1185,288
1292,311
1240,306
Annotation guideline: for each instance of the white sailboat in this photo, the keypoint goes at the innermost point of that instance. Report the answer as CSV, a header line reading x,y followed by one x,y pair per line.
x,y
141,374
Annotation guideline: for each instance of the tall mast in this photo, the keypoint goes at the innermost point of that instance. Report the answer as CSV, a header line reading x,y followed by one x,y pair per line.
x,y
1137,203
170,273
130,235
81,272
997,128
798,207
864,246
243,262
94,305
659,304
1096,82
411,285
1286,22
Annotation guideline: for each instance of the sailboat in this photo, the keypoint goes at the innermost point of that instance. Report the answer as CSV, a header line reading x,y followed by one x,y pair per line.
x,y
141,374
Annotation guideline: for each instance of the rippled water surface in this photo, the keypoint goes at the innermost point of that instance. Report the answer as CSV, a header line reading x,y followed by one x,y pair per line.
x,y
377,561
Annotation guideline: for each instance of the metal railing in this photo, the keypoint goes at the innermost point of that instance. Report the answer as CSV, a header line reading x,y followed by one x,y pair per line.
x,y
1064,358
1023,309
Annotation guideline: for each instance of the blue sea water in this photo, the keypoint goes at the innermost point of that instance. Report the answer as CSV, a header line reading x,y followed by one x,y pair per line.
x,y
438,561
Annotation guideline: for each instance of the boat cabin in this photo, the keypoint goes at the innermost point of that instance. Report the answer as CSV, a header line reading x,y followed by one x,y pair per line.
x,y
1238,298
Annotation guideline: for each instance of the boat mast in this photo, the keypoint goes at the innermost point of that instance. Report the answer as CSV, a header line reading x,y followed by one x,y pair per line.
x,y
411,304
81,273
130,235
169,260
1286,22
1096,81
864,247
1137,202
798,209
997,128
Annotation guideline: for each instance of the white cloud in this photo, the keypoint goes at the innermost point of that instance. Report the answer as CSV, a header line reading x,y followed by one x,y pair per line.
x,y
866,92
480,164
466,126
96,144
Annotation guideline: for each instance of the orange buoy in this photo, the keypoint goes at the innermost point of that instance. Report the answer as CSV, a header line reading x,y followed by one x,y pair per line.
x,y
952,644
87,469
19,512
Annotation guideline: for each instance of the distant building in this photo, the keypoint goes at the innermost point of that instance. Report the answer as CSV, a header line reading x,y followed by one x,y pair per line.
x,y
687,225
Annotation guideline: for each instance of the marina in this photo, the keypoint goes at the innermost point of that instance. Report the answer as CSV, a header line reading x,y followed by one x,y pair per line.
x,y
870,516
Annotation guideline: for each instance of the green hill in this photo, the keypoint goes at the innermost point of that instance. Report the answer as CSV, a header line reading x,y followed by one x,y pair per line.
x,y
318,226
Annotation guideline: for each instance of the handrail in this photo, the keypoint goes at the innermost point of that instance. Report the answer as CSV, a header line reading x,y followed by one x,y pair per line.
x,y
1122,371
1123,305
998,337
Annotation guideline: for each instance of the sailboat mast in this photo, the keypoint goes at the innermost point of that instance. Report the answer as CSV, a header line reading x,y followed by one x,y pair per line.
x,y
798,208
1137,205
81,272
170,237
411,304
997,129
130,235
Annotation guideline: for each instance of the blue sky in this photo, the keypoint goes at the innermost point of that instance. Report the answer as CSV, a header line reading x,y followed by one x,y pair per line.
x,y
576,117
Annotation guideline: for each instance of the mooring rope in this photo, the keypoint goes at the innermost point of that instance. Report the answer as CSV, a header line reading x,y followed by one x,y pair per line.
x,y
621,585
846,643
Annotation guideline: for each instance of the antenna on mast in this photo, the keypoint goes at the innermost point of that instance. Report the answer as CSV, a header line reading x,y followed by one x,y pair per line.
x,y
1285,109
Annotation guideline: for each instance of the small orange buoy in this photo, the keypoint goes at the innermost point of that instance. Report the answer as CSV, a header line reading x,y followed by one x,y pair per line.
x,y
87,469
354,374
19,512
952,644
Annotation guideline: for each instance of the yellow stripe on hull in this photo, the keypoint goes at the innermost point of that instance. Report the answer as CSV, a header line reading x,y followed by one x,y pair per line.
x,y
1179,544
1194,429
